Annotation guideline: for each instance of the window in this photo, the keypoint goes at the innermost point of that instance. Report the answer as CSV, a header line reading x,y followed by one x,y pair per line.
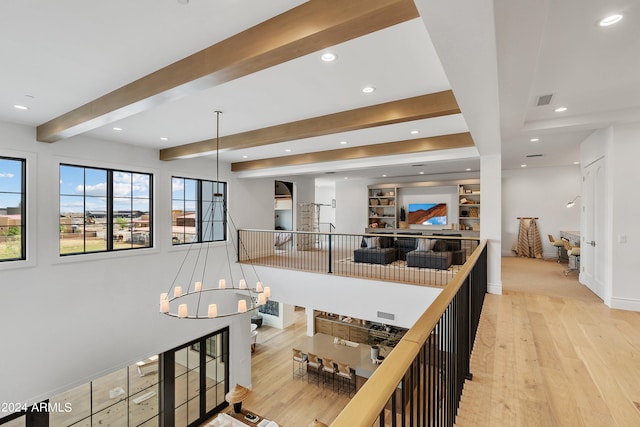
x,y
12,209
198,210
104,210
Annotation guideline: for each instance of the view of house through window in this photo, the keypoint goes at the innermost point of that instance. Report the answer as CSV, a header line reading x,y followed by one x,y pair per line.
x,y
12,209
104,210
197,214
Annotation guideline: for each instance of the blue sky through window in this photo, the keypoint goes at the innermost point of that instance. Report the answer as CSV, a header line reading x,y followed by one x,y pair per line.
x,y
10,183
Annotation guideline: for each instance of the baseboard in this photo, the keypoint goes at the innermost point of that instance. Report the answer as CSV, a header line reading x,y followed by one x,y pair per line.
x,y
494,288
628,304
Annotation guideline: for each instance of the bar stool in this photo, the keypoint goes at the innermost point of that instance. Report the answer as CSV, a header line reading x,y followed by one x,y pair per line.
x,y
347,379
575,252
559,244
328,372
299,359
314,366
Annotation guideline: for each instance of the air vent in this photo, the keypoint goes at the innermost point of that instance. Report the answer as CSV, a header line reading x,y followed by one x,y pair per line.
x,y
388,316
534,155
544,100
417,166
329,173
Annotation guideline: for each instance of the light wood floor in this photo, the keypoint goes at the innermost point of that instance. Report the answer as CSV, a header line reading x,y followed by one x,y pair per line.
x,y
548,353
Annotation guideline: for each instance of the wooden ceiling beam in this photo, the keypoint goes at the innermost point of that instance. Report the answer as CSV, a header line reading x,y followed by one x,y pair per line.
x,y
416,108
420,145
314,25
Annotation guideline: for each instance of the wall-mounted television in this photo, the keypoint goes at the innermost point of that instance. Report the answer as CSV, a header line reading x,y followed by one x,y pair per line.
x,y
427,213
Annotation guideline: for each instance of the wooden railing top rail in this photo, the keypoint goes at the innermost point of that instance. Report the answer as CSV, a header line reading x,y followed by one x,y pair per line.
x,y
394,234
366,405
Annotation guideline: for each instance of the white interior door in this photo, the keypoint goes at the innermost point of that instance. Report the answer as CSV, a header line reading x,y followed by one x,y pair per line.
x,y
593,241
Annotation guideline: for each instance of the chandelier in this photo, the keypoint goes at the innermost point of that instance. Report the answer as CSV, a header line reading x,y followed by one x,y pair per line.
x,y
205,297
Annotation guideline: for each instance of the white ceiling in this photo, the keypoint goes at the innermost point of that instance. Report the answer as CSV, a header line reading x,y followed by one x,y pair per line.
x,y
59,55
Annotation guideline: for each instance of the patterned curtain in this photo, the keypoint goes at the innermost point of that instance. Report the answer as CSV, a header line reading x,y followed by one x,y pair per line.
x,y
529,243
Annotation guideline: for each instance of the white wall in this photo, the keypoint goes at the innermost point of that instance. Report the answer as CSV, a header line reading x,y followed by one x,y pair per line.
x,y
625,176
68,320
351,206
542,193
325,194
357,298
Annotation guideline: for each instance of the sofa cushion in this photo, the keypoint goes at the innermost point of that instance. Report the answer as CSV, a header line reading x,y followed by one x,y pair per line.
x,y
440,245
409,243
449,244
386,242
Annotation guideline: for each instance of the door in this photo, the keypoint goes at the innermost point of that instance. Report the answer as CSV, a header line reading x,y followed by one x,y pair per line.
x,y
593,242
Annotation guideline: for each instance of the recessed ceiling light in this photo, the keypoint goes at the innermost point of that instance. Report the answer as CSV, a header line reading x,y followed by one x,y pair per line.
x,y
368,89
576,163
610,20
560,109
534,139
343,142
164,138
523,166
288,150
20,107
468,169
245,157
346,177
415,132
328,57
118,129
421,173
384,175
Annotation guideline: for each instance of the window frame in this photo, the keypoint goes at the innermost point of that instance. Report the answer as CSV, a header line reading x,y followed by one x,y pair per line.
x,y
200,202
23,209
110,213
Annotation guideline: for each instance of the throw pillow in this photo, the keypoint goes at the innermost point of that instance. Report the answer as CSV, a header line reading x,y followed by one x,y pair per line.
x,y
372,242
426,244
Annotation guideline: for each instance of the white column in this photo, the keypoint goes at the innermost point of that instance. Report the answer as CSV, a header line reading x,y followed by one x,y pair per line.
x,y
491,218
311,325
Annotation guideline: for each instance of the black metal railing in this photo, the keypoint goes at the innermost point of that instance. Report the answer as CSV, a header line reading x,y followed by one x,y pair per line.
x,y
420,382
399,257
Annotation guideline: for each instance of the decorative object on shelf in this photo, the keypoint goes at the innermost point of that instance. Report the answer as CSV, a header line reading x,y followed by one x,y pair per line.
x,y
403,218
237,394
199,295
573,202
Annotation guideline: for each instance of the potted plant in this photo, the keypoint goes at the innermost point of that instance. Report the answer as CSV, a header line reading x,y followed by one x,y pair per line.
x,y
403,218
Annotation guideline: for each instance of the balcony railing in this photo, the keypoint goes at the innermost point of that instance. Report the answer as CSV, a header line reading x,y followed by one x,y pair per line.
x,y
404,258
420,382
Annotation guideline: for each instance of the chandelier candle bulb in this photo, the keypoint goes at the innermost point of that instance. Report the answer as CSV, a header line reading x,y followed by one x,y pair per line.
x,y
198,286
183,311
222,284
164,306
259,287
213,310
267,292
164,296
262,299
243,284
242,306
177,292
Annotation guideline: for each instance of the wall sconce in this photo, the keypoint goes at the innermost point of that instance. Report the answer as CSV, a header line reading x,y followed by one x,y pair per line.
x,y
573,202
